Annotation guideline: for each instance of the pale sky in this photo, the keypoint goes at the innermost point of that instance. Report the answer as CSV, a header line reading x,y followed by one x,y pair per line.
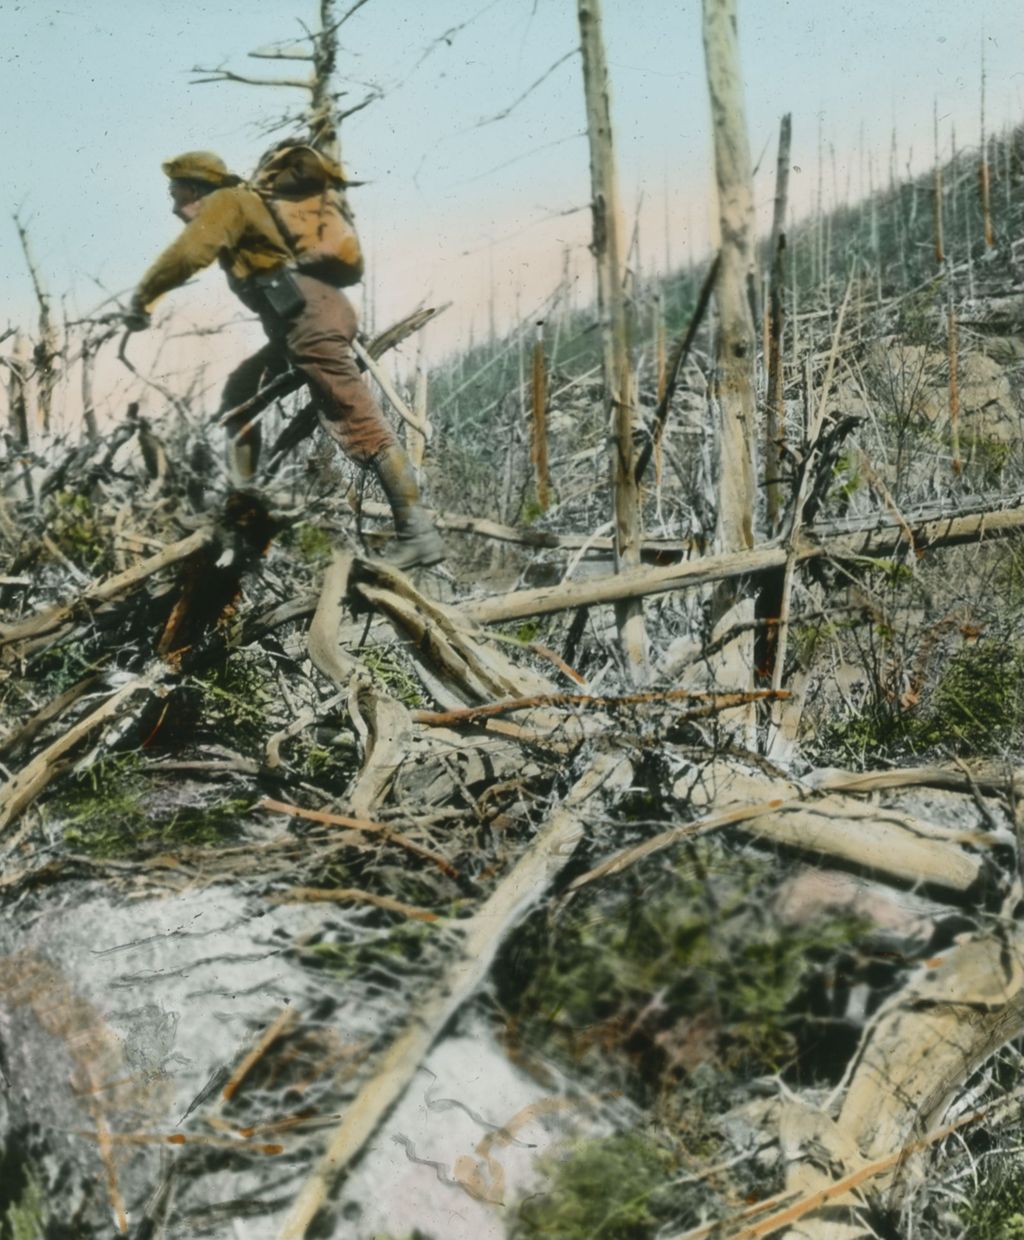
x,y
97,93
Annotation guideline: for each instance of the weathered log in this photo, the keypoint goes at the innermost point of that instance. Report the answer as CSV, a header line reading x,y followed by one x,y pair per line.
x,y
914,1057
887,539
482,935
322,642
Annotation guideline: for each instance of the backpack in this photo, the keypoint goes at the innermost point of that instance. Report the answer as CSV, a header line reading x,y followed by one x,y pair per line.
x,y
303,190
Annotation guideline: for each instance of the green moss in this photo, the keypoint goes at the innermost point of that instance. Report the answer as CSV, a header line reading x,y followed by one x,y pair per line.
x,y
725,975
313,544
996,1209
112,811
26,1218
75,530
614,1188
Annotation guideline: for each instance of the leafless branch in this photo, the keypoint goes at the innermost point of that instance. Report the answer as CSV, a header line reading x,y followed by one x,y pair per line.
x,y
500,116
372,97
227,75
345,16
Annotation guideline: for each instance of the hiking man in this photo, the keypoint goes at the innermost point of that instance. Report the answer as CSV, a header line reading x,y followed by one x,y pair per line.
x,y
309,322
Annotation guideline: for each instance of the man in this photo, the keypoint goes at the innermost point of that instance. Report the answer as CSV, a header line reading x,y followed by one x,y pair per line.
x,y
309,323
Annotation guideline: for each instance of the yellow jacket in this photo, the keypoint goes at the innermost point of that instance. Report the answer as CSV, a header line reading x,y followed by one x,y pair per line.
x,y
232,224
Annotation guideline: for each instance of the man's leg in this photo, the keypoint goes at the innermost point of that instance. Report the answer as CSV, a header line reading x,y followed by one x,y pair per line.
x,y
319,344
242,451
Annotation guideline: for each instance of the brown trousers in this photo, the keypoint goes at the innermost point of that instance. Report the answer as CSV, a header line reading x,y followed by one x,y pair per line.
x,y
318,342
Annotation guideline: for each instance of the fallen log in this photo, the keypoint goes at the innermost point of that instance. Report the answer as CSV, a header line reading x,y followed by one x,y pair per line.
x,y
482,935
888,539
790,1206
50,619
915,1055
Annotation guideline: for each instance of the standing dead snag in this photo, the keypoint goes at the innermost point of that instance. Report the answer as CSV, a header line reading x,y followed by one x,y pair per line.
x,y
46,352
320,50
775,320
618,373
733,386
539,428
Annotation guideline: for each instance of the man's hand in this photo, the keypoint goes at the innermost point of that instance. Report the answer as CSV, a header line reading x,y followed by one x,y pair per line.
x,y
137,317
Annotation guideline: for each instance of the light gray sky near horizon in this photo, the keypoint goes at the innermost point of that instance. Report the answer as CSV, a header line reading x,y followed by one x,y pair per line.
x,y
97,93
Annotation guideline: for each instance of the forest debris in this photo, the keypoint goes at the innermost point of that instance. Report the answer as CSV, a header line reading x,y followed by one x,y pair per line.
x,y
50,619
711,822
277,1028
709,703
482,935
364,826
53,709
384,727
883,541
473,668
23,788
791,1210
342,895
322,642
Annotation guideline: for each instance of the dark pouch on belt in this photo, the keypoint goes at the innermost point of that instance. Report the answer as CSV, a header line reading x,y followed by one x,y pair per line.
x,y
281,291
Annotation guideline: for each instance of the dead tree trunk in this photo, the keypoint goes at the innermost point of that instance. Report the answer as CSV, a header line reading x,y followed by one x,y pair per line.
x,y
618,376
775,428
733,390
46,351
17,390
539,441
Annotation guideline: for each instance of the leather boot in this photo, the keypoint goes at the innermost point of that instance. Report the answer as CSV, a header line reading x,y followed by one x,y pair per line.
x,y
419,543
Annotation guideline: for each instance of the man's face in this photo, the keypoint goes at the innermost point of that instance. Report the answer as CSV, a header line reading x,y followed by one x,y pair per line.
x,y
186,199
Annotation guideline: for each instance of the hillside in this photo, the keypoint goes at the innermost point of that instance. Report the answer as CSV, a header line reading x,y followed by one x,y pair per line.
x,y
332,895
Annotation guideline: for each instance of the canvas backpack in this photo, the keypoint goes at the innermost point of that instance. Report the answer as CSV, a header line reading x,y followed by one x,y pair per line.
x,y
304,191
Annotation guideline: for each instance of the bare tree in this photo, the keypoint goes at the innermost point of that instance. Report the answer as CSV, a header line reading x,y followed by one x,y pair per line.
x,y
618,373
733,390
319,49
46,352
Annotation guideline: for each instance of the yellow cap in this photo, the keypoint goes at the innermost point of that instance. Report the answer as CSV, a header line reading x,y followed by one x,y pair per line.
x,y
199,166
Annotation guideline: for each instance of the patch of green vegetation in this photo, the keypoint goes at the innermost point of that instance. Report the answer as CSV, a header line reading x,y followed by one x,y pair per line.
x,y
613,1188
235,698
978,704
976,707
329,765
387,665
77,533
110,811
64,664
700,938
26,1218
996,1210
313,544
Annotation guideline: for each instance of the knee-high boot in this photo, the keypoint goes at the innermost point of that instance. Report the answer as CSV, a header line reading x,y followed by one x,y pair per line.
x,y
419,543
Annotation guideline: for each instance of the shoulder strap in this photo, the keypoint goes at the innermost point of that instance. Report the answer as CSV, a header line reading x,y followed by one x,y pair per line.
x,y
279,224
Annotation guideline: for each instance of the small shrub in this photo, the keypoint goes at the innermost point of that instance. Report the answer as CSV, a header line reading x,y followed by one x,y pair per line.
x,y
978,704
689,969
234,700
76,532
613,1188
